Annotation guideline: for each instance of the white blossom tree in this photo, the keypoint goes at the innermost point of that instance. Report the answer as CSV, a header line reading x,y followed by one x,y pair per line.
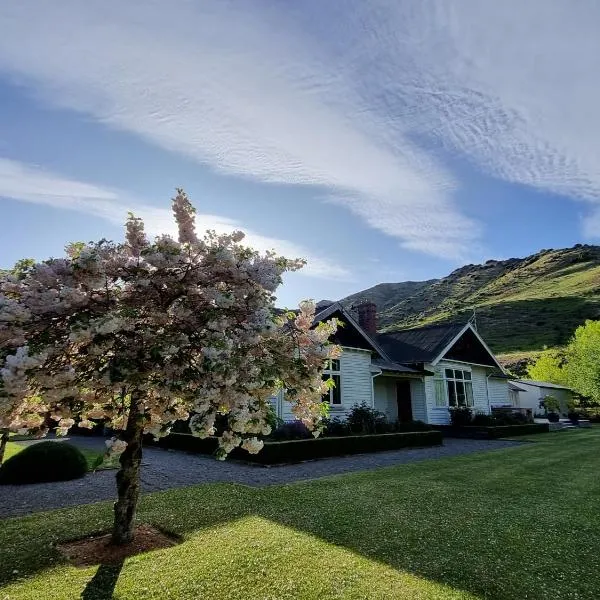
x,y
141,334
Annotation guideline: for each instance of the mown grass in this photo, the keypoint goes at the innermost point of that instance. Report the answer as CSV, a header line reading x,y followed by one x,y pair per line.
x,y
521,522
93,458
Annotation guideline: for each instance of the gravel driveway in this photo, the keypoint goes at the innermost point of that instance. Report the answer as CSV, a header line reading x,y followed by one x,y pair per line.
x,y
166,469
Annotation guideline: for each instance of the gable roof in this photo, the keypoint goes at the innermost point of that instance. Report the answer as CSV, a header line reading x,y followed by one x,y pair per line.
x,y
398,349
430,343
384,361
422,344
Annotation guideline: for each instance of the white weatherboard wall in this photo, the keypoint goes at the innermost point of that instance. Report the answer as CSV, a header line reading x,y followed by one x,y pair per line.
x,y
355,384
417,395
385,397
499,392
533,394
440,415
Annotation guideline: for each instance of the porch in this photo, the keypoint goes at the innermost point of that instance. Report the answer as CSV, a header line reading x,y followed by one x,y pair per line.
x,y
400,398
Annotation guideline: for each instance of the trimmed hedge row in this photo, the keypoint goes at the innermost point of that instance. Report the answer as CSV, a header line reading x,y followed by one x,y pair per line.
x,y
298,450
499,431
492,432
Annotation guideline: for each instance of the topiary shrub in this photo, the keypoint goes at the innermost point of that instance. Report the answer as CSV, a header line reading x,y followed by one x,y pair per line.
x,y
44,461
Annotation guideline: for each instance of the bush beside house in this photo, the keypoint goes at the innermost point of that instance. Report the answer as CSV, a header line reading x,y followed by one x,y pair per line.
x,y
365,430
277,452
483,426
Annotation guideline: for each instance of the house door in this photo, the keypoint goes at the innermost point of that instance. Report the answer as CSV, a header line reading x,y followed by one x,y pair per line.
x,y
404,401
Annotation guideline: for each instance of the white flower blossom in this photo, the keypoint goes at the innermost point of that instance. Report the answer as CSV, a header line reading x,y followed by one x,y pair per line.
x,y
252,445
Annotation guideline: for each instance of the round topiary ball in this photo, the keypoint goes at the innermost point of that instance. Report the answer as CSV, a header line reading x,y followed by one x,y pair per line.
x,y
44,461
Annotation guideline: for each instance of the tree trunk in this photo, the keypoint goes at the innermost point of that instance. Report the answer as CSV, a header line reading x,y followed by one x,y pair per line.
x,y
3,442
128,477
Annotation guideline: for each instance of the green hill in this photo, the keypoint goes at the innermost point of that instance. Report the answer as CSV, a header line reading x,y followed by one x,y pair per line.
x,y
522,305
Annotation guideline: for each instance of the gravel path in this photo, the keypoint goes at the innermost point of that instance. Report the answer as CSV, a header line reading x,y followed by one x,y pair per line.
x,y
166,469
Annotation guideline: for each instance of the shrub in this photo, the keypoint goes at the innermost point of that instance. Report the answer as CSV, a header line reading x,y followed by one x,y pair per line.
x,y
336,427
272,419
291,430
511,418
461,416
553,417
363,419
484,420
44,461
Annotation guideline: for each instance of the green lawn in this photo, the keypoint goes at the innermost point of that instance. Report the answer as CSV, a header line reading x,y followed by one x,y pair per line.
x,y
91,456
522,522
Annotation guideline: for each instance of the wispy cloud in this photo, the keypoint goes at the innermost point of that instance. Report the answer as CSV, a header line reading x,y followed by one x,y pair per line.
x,y
511,86
31,184
244,88
343,96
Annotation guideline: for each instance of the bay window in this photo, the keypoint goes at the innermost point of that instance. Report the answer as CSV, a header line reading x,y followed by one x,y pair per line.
x,y
454,388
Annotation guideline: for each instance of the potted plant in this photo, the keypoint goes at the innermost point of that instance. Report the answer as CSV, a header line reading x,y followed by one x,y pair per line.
x,y
573,414
551,405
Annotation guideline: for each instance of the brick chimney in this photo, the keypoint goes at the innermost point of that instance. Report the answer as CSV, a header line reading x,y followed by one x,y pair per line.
x,y
367,316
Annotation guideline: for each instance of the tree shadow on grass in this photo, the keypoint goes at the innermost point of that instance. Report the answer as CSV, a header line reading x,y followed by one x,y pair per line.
x,y
470,522
102,585
28,544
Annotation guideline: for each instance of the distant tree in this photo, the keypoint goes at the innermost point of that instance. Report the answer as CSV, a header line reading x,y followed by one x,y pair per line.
x,y
577,367
583,361
550,366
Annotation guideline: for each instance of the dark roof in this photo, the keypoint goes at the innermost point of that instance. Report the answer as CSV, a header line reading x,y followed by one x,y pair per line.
x,y
419,345
400,351
386,365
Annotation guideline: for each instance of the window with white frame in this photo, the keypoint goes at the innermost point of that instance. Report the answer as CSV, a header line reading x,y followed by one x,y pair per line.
x,y
453,387
334,394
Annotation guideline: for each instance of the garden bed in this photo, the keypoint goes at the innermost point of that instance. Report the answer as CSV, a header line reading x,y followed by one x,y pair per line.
x,y
308,449
491,432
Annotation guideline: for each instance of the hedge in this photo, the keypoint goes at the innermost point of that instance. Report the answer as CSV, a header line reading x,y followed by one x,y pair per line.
x,y
492,432
298,450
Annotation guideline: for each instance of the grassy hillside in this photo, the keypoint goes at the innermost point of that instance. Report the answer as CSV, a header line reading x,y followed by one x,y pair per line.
x,y
522,304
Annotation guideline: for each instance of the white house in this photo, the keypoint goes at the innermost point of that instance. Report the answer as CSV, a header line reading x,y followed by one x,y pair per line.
x,y
535,391
414,374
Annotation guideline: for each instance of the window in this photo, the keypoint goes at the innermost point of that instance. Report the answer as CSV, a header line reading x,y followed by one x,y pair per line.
x,y
453,387
332,371
459,387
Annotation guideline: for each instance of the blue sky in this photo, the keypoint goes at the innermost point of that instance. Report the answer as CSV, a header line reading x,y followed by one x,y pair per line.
x,y
383,141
